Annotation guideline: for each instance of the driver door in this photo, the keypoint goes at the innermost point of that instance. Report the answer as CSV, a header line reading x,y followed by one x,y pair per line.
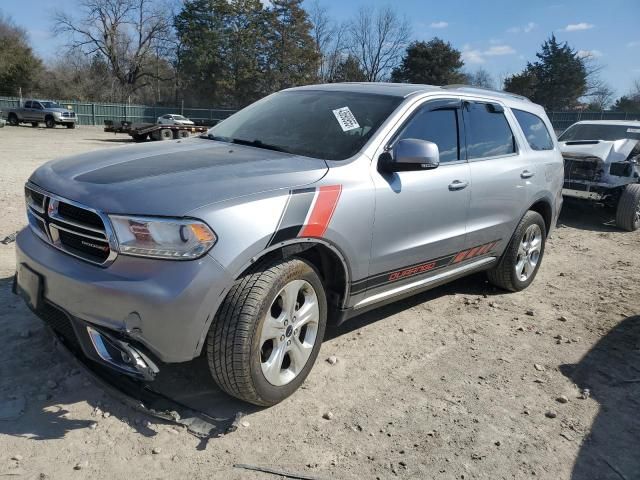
x,y
421,216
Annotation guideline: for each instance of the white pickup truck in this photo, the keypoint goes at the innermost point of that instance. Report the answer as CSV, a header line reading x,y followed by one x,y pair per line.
x,y
37,111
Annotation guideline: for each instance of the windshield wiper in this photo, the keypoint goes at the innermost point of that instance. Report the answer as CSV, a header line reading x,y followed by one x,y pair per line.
x,y
251,143
258,144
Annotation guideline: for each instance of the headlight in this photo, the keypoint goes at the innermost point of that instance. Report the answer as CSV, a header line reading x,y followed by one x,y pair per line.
x,y
170,238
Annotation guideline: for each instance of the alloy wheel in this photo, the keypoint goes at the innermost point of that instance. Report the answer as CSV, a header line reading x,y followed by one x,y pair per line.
x,y
529,252
289,332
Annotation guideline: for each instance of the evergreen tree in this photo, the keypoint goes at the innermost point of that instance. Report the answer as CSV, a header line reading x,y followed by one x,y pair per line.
x,y
348,70
293,57
201,56
19,67
435,62
556,80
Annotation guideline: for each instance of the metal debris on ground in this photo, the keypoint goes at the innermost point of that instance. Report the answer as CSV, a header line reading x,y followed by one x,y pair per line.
x,y
9,239
273,471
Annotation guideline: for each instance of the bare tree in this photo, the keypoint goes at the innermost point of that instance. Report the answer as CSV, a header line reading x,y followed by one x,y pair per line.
x,y
329,38
598,94
377,38
480,78
128,34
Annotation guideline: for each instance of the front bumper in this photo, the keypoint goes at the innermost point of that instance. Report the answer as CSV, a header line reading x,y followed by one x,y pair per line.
x,y
163,306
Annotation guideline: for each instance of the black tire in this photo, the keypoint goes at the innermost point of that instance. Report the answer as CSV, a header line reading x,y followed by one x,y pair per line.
x,y
13,120
137,137
628,211
166,134
233,343
177,134
49,122
34,124
504,274
71,125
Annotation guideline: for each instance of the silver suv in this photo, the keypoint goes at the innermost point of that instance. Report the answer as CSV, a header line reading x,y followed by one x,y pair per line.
x,y
314,204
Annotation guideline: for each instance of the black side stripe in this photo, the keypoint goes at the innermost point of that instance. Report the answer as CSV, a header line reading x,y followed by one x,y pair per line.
x,y
294,215
410,271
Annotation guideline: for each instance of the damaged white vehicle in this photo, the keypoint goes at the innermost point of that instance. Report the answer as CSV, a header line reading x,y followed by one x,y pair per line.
x,y
602,164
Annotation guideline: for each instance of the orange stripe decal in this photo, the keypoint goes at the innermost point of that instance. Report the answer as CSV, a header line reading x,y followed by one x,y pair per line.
x,y
459,257
320,216
473,252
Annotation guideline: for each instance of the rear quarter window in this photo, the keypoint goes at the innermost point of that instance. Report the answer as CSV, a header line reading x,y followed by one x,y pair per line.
x,y
534,130
488,132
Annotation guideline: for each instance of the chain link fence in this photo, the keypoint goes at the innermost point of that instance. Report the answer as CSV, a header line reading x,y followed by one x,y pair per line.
x,y
97,113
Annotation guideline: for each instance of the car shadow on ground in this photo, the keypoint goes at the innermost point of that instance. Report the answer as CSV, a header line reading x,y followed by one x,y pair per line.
x,y
472,285
39,377
584,215
611,372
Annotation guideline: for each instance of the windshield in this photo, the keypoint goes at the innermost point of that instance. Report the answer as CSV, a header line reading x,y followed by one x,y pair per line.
x,y
50,105
591,131
179,117
313,123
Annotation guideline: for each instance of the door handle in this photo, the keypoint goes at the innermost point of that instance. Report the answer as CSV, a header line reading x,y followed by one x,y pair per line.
x,y
527,174
458,185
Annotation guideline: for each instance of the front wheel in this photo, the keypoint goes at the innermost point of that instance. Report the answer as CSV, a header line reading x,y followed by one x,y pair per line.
x,y
521,260
49,122
628,211
71,125
266,335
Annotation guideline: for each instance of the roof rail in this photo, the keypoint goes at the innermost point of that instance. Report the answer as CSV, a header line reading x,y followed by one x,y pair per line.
x,y
462,86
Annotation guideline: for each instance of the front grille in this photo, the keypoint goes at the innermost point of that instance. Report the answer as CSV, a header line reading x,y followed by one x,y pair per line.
x,y
589,169
68,114
60,322
76,230
78,214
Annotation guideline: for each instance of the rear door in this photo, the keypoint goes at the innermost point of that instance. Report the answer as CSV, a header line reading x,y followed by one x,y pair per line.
x,y
420,216
500,174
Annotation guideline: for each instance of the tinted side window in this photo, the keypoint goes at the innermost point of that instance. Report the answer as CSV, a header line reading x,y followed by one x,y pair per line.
x,y
534,129
437,126
488,132
27,105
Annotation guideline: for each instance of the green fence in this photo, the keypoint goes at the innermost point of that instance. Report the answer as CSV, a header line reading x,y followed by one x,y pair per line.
x,y
97,113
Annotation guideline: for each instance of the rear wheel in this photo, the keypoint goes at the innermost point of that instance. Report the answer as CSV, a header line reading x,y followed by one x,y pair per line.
x,y
628,211
521,260
34,124
13,120
266,335
181,134
49,122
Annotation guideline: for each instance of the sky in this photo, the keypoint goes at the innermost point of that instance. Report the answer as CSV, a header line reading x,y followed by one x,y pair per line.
x,y
499,35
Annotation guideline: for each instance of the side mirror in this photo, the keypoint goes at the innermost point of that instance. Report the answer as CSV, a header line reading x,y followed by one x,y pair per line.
x,y
411,154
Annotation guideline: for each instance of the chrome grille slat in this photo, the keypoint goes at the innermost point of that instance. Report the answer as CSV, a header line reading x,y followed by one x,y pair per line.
x,y
75,232
58,219
73,236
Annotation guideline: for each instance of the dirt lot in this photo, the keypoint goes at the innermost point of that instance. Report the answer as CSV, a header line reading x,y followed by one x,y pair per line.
x,y
456,383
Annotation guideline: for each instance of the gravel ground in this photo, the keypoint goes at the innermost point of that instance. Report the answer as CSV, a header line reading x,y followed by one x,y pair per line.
x,y
463,382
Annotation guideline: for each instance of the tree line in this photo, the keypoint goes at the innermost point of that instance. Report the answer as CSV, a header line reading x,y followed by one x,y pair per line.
x,y
233,52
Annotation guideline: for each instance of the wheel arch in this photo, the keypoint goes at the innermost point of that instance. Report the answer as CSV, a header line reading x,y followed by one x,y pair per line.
x,y
326,257
543,207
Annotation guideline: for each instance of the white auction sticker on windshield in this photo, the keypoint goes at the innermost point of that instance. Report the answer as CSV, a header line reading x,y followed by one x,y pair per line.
x,y
346,119
629,130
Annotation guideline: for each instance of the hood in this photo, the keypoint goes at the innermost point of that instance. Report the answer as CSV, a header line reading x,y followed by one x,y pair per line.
x,y
173,178
605,150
